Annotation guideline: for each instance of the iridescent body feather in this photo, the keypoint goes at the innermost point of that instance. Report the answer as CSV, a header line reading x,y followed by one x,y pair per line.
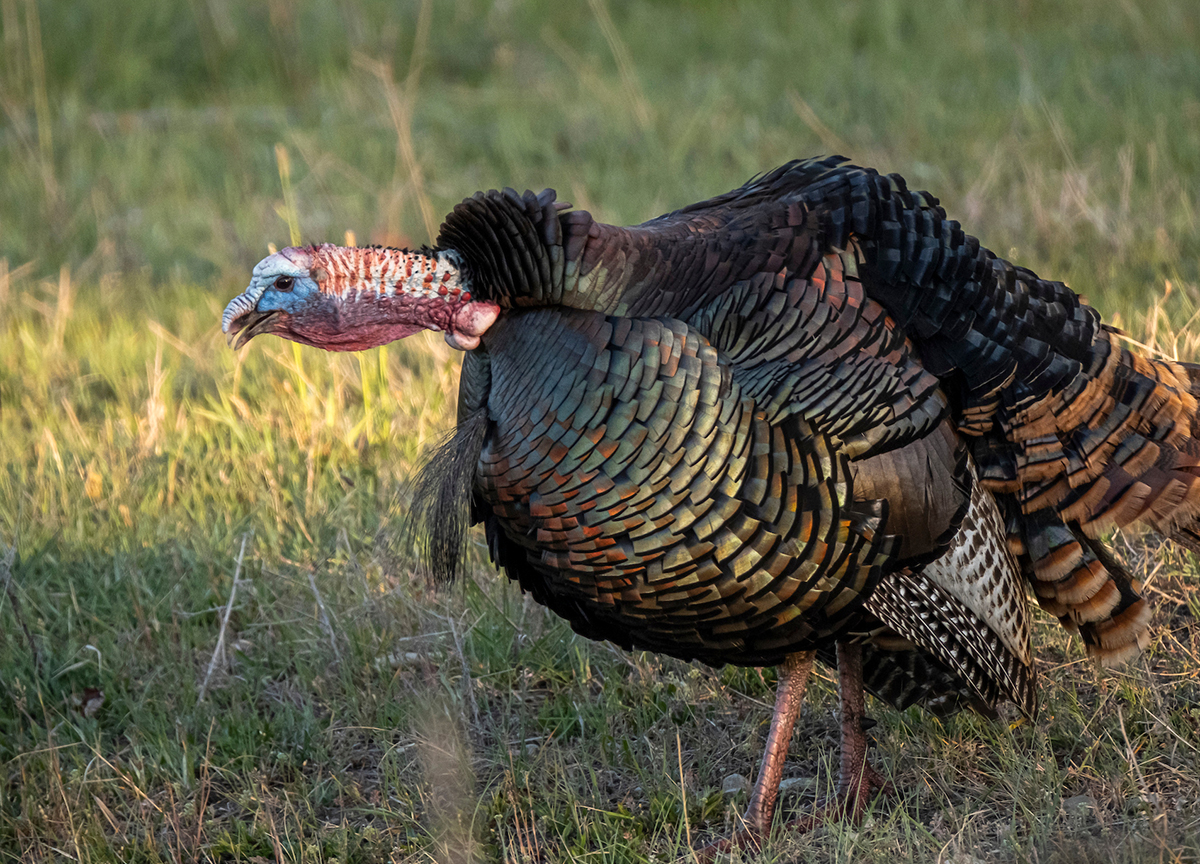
x,y
810,412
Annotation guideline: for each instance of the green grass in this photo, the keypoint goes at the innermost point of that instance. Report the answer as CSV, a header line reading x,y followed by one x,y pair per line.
x,y
358,714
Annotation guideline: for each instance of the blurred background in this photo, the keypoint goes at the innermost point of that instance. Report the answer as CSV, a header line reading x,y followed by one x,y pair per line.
x,y
146,137
208,617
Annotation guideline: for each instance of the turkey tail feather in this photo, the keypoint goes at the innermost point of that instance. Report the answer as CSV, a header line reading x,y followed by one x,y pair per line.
x,y
1113,447
440,512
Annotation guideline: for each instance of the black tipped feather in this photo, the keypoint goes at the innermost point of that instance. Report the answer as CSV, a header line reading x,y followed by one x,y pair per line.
x,y
440,512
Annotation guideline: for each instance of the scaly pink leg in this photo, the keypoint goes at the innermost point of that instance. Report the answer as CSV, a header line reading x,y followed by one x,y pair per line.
x,y
857,780
789,694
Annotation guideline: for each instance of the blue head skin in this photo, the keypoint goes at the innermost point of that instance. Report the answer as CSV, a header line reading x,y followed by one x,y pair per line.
x,y
287,286
281,289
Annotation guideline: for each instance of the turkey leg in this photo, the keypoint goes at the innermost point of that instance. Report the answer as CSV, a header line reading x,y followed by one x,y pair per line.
x,y
857,780
789,694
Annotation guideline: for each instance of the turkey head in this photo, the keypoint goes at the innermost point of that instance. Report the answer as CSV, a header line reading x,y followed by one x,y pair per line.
x,y
350,298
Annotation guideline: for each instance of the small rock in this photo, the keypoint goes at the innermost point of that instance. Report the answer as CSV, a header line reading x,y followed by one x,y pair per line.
x,y
396,659
1078,805
735,783
88,703
961,856
797,784
1147,803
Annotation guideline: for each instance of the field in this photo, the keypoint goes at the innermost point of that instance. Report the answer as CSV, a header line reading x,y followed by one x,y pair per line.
x,y
216,643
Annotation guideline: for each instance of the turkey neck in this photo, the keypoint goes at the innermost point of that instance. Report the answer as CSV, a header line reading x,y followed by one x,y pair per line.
x,y
386,272
383,294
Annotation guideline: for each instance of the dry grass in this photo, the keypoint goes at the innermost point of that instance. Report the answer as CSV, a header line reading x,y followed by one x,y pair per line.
x,y
333,707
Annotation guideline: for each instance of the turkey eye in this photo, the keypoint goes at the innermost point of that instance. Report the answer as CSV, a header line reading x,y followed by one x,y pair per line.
x,y
284,283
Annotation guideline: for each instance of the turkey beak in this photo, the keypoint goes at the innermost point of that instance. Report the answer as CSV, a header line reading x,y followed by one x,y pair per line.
x,y
247,325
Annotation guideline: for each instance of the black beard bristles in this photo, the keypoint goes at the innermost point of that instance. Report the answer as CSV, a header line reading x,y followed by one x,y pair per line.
x,y
440,512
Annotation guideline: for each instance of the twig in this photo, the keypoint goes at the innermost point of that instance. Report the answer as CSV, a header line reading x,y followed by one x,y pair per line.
x,y
400,101
288,211
272,832
633,90
6,565
205,785
829,139
687,823
325,625
468,684
1131,755
1120,334
219,651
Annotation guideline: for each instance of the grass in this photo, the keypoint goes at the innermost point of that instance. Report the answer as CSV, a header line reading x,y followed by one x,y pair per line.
x,y
354,713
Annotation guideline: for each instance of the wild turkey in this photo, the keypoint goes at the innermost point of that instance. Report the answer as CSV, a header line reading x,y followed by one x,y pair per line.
x,y
810,417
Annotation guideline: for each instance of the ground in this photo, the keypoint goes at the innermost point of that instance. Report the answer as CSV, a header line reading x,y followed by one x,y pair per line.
x,y
216,643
